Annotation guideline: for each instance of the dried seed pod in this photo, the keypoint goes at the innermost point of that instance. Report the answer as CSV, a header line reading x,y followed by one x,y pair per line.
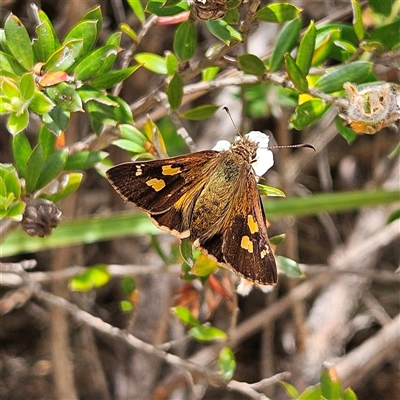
x,y
372,106
40,217
209,9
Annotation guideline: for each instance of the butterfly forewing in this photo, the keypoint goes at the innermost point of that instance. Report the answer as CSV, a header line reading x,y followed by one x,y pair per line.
x,y
157,186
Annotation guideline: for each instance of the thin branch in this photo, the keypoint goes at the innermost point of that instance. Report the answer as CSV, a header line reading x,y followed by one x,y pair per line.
x,y
245,389
113,332
383,346
376,275
255,323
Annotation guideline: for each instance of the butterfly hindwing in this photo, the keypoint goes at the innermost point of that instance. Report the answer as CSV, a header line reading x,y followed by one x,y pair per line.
x,y
246,246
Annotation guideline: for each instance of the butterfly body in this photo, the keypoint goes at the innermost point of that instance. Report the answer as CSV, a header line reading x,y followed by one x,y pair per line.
x,y
212,198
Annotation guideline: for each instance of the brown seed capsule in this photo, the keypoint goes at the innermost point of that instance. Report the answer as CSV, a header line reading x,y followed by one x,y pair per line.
x,y
40,217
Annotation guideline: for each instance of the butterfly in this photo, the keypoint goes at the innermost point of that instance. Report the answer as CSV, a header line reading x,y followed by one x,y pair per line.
x,y
210,197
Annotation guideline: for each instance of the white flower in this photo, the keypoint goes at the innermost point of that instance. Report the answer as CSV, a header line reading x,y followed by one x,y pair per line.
x,y
264,159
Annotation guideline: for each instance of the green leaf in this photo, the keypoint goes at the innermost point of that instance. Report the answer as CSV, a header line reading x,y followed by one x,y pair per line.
x,y
157,7
295,74
52,166
84,160
18,121
137,8
185,40
290,389
48,140
22,150
287,39
308,113
289,267
207,334
278,239
10,88
348,394
226,363
130,146
18,41
357,20
185,316
133,134
175,91
70,183
330,384
90,65
186,251
95,15
235,35
345,131
113,40
152,62
5,105
209,73
203,267
87,93
41,16
122,111
56,120
12,185
382,7
354,72
265,190
219,29
86,30
40,103
306,49
171,62
278,12
128,285
346,46
251,64
393,216
9,64
65,96
232,16
200,113
387,35
323,44
45,43
94,277
171,3
33,168
111,78
16,211
27,86
128,31
126,306
64,56
311,393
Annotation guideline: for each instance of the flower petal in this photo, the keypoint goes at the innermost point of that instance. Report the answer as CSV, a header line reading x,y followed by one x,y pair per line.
x,y
265,157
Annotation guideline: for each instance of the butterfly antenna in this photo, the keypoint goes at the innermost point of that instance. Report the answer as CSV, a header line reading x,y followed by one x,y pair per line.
x,y
292,146
226,109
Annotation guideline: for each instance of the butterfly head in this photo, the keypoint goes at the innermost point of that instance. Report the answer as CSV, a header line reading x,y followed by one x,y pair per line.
x,y
253,147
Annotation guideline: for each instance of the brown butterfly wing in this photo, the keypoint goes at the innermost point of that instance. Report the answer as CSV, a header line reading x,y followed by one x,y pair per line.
x,y
158,186
246,247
